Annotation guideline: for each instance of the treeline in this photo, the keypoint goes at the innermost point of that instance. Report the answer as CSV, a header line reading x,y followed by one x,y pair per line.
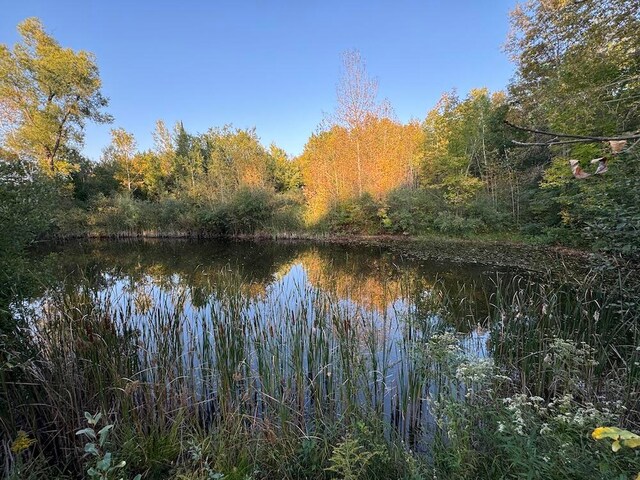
x,y
456,172
221,182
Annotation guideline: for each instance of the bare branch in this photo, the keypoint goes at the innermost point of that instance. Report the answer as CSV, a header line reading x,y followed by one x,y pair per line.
x,y
550,143
578,138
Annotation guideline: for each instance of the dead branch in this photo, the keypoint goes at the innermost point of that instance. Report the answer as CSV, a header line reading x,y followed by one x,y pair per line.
x,y
557,136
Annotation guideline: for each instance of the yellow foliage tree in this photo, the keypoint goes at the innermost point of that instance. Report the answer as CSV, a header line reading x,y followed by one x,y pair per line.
x,y
362,150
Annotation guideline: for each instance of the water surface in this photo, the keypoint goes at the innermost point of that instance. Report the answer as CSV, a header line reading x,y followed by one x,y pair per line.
x,y
324,330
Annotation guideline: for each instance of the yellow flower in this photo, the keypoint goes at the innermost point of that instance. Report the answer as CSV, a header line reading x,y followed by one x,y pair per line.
x,y
619,436
22,442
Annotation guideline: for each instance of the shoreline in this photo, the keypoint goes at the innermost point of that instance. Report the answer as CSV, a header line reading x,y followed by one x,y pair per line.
x,y
504,253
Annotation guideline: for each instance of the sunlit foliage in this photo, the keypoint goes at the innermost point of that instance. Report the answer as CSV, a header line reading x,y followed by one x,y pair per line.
x,y
47,94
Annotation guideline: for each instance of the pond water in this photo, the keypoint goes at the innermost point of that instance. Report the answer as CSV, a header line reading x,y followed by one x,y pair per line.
x,y
295,333
262,351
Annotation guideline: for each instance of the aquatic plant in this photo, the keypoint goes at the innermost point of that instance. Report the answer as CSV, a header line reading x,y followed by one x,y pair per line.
x,y
291,380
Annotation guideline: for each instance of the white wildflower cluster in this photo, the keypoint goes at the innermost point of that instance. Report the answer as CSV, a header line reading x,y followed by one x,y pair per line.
x,y
475,371
563,403
445,347
565,412
571,363
516,406
585,416
570,352
439,410
529,411
545,430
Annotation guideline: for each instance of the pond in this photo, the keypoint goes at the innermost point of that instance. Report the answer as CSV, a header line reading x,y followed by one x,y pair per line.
x,y
280,320
295,338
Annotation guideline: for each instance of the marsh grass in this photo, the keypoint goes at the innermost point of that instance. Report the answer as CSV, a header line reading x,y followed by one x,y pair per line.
x,y
297,382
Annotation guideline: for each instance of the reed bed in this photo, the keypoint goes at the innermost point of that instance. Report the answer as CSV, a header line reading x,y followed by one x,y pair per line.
x,y
297,382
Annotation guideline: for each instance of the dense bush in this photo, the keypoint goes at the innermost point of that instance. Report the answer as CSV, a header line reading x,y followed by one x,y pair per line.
x,y
454,224
415,211
601,211
247,211
115,215
411,210
27,205
287,213
213,220
359,215
250,210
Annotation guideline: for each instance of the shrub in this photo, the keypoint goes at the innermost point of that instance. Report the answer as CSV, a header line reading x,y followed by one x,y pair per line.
x,y
73,221
491,216
451,223
411,210
287,213
170,214
118,214
355,215
214,220
250,210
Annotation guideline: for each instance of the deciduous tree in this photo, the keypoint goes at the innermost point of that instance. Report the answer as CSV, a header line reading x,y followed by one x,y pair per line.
x,y
47,94
122,153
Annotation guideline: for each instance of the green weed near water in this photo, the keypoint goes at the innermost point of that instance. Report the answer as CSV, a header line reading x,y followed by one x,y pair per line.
x,y
250,386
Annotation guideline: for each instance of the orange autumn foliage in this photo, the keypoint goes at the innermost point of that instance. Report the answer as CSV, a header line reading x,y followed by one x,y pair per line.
x,y
373,158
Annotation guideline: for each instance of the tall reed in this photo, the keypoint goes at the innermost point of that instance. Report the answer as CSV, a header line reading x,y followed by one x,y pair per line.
x,y
294,368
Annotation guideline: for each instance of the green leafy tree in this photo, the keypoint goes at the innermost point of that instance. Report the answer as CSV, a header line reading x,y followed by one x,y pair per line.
x,y
182,169
47,94
577,73
122,154
463,150
27,202
284,173
577,65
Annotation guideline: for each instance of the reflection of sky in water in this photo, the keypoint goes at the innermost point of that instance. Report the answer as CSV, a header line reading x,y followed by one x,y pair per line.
x,y
198,299
286,292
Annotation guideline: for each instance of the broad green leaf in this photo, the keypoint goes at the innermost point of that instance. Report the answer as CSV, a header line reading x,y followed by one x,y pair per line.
x,y
89,432
105,463
104,433
91,448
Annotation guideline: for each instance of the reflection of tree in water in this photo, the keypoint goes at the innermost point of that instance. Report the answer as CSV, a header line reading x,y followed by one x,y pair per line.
x,y
195,265
371,277
375,280
247,305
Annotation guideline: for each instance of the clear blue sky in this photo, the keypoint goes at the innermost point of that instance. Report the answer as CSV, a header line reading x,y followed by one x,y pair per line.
x,y
269,64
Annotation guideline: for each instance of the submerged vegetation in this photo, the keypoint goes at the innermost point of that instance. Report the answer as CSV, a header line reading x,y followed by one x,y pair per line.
x,y
286,362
